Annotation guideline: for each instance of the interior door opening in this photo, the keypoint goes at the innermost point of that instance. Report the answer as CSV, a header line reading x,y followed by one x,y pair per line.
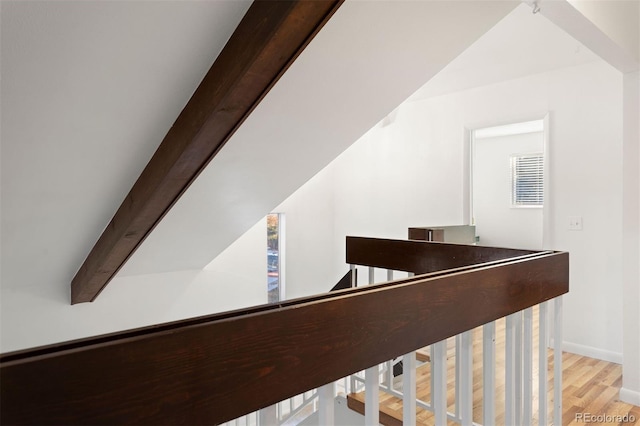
x,y
508,183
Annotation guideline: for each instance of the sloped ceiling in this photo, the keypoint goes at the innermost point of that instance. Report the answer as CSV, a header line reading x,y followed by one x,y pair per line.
x,y
89,89
366,60
521,44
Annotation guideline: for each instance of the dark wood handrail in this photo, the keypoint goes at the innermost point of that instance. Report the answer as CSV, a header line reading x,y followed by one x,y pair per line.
x,y
213,369
421,257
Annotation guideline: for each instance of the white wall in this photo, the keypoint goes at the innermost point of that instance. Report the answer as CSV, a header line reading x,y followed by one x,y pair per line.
x,y
309,223
630,391
612,30
408,171
236,279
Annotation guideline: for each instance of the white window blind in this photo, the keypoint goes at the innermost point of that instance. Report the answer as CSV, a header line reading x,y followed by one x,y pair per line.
x,y
527,180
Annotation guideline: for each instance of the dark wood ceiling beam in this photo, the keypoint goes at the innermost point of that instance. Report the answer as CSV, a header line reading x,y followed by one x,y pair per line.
x,y
266,42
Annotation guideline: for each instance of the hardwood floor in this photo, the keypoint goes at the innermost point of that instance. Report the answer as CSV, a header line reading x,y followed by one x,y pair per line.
x,y
590,388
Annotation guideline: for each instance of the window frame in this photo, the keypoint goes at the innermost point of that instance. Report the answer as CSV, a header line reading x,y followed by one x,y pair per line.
x,y
536,173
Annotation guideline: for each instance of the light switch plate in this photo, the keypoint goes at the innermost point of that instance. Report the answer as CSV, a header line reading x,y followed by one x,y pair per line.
x,y
575,223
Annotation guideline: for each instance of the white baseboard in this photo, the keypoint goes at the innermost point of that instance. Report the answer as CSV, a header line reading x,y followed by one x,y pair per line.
x,y
591,352
630,396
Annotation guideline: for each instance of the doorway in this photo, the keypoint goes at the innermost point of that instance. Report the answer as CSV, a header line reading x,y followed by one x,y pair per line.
x,y
508,184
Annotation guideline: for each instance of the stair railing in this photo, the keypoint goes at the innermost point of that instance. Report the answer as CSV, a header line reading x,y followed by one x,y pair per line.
x,y
518,394
217,368
294,409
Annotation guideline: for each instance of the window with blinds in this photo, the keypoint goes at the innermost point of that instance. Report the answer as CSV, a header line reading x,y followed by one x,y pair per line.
x,y
527,180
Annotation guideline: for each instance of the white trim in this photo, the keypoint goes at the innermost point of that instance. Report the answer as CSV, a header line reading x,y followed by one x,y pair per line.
x,y
631,240
630,396
547,217
591,352
467,172
521,128
516,206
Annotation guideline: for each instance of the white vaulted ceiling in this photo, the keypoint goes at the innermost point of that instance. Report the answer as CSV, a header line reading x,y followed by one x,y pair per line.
x,y
89,89
367,59
521,44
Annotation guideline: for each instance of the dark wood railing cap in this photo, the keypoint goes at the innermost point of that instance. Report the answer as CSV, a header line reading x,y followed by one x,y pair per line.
x,y
213,369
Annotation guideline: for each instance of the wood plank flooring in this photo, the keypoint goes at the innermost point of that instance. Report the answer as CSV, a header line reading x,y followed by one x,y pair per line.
x,y
590,386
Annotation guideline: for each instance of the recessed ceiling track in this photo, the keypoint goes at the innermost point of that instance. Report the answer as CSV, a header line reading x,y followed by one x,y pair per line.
x,y
266,42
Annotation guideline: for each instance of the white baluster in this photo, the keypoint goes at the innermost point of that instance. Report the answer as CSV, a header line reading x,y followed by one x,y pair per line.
x,y
432,383
372,275
489,373
509,371
409,394
518,368
389,274
543,365
557,361
388,377
268,416
457,375
527,409
371,398
439,392
465,381
326,407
